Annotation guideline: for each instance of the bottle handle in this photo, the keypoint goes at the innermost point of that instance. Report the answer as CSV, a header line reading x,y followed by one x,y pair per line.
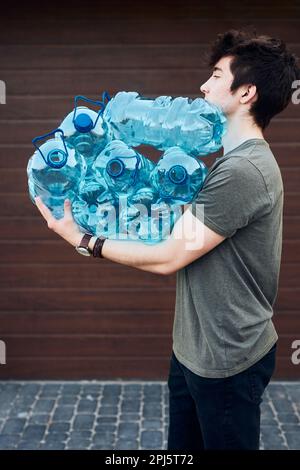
x,y
88,100
136,169
105,95
42,137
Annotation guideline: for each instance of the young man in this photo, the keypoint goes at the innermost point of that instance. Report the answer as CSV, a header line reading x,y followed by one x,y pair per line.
x,y
224,341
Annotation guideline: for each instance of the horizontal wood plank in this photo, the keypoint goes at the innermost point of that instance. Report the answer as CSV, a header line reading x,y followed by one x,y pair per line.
x,y
149,28
102,368
108,56
105,56
120,10
86,322
109,345
67,276
105,298
96,299
48,275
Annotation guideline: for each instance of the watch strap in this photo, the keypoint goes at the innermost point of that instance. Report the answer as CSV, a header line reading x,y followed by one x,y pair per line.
x,y
97,250
85,242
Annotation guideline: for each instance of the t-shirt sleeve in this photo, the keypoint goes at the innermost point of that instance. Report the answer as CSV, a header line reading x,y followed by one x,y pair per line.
x,y
233,195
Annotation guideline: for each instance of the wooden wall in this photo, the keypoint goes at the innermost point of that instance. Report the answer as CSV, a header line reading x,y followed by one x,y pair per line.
x,y
66,316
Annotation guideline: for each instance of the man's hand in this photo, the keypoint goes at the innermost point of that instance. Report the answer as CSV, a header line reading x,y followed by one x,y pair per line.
x,y
65,227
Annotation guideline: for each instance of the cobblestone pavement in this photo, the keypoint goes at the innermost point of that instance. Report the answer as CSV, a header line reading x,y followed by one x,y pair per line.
x,y
119,415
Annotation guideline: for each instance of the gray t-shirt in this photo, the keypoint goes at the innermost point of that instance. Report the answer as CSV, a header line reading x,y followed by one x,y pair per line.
x,y
224,300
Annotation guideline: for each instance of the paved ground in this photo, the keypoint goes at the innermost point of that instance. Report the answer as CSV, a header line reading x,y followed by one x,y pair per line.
x,y
119,415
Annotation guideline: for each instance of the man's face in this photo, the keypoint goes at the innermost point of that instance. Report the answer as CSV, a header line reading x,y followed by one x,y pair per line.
x,y
217,88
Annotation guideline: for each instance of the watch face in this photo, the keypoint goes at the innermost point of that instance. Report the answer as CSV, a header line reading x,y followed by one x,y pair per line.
x,y
82,251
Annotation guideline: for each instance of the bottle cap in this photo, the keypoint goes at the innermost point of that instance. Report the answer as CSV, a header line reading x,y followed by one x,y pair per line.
x,y
83,123
115,167
57,158
177,174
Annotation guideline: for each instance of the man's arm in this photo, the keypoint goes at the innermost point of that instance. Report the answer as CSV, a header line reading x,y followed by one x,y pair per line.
x,y
190,239
151,258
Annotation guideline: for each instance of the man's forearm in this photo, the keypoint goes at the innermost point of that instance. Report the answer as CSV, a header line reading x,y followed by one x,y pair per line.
x,y
151,258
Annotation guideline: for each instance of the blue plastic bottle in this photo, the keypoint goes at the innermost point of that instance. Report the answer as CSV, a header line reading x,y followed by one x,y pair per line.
x,y
136,212
196,126
123,169
147,218
163,218
178,177
100,218
108,217
95,166
54,172
85,129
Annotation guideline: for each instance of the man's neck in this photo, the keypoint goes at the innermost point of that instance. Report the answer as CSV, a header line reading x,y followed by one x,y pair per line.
x,y
238,131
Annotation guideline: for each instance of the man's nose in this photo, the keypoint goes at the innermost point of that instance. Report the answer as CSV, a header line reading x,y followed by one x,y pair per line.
x,y
204,88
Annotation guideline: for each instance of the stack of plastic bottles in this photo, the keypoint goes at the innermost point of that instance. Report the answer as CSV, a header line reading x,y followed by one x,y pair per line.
x,y
115,190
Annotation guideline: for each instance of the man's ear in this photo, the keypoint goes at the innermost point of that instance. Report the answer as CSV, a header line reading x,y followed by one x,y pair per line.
x,y
249,93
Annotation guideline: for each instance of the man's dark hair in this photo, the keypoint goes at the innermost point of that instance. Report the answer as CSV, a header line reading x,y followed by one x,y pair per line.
x,y
262,61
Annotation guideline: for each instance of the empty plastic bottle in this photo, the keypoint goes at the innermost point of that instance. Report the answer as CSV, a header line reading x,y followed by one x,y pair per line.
x,y
91,161
146,219
162,220
99,218
178,177
54,172
108,217
85,129
196,126
123,169
136,212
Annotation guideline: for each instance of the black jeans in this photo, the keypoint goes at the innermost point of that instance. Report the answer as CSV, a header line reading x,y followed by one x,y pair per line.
x,y
222,413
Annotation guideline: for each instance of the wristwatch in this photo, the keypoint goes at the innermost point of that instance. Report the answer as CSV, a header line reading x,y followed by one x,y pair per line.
x,y
83,248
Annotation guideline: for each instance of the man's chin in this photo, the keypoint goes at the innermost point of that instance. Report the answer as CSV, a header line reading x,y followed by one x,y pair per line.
x,y
215,103
212,102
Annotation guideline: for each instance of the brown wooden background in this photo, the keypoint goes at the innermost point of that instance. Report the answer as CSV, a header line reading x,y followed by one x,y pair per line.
x,y
65,316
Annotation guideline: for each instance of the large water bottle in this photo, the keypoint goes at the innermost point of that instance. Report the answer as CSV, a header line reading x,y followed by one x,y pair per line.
x,y
163,218
123,168
196,126
100,218
54,172
135,213
144,217
178,177
108,217
85,129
